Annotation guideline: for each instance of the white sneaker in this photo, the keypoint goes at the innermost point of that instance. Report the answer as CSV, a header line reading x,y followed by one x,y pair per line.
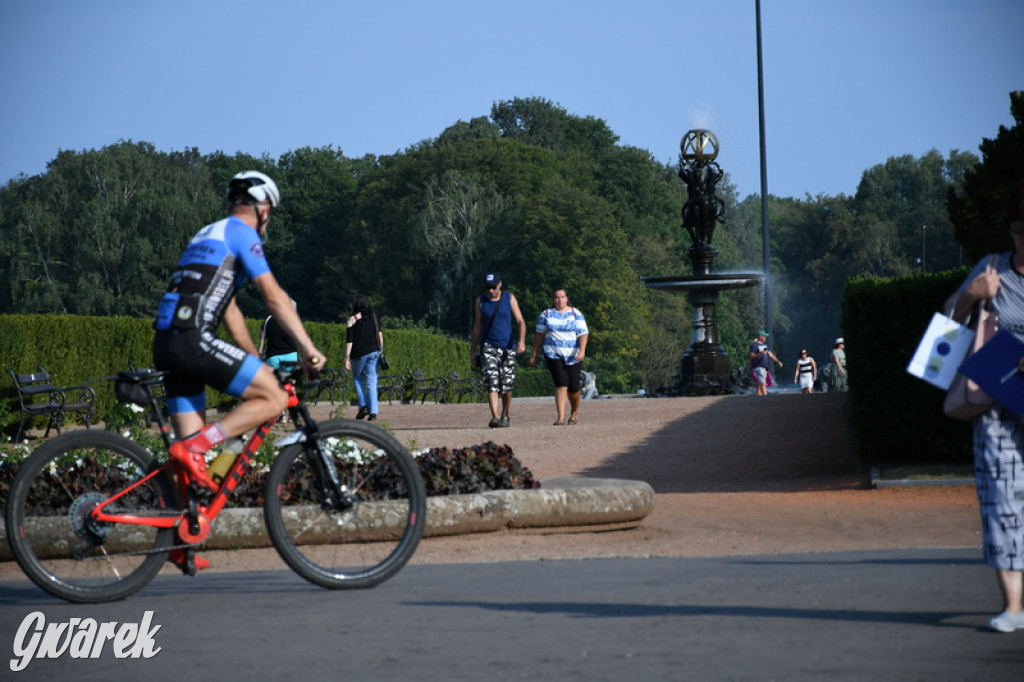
x,y
1007,622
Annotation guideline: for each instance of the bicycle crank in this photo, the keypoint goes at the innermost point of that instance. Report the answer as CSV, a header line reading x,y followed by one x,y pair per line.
x,y
195,530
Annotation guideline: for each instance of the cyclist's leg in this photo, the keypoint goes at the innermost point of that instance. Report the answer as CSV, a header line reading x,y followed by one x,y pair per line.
x,y
197,360
262,399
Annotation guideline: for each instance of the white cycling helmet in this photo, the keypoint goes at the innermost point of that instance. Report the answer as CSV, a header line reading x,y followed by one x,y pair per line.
x,y
253,186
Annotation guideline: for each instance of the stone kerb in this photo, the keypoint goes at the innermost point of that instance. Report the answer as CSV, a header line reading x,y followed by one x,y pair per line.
x,y
578,503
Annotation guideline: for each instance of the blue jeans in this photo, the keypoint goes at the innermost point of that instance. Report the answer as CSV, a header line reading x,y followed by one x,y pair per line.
x,y
364,378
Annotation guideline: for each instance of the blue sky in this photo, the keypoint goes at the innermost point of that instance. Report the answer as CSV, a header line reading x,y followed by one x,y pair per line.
x,y
847,84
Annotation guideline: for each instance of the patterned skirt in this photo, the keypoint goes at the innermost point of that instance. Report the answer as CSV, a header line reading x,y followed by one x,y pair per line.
x,y
999,477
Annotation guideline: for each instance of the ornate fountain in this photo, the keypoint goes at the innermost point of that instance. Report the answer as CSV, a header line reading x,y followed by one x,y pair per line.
x,y
704,368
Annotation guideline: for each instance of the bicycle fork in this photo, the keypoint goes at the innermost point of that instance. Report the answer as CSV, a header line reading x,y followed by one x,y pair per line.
x,y
335,494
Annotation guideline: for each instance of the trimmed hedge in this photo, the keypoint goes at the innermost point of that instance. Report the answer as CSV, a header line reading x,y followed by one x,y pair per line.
x,y
79,349
897,418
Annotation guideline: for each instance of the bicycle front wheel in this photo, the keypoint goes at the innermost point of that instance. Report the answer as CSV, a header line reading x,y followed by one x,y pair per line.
x,y
360,546
48,526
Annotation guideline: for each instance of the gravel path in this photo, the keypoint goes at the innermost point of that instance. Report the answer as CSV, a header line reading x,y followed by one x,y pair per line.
x,y
734,475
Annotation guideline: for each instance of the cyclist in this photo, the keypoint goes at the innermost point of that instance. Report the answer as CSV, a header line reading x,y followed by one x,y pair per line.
x,y
201,295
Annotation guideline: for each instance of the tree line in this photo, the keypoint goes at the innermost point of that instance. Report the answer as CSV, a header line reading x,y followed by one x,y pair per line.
x,y
547,198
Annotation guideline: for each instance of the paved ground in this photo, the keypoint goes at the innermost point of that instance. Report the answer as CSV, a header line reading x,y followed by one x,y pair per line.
x,y
768,556
734,475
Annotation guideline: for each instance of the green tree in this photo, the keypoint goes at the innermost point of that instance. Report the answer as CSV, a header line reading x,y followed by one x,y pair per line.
x,y
978,208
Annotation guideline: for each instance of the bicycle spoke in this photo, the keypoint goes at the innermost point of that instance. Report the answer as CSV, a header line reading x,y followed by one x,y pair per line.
x,y
58,544
358,546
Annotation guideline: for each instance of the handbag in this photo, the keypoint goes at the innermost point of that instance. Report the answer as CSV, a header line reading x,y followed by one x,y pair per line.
x,y
382,360
966,399
941,351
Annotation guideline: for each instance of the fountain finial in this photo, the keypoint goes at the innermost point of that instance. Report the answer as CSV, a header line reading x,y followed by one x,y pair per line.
x,y
703,210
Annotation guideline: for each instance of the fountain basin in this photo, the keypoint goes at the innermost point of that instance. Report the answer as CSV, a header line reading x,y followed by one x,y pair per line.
x,y
709,282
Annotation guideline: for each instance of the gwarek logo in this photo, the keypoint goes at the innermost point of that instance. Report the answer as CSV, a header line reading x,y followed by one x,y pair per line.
x,y
82,638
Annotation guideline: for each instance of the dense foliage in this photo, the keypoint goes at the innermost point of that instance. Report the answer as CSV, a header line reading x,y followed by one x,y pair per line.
x,y
546,198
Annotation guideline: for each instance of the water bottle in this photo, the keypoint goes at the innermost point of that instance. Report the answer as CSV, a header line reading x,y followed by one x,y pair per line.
x,y
220,467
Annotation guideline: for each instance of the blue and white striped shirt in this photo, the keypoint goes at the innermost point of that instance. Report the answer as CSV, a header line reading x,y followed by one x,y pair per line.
x,y
561,331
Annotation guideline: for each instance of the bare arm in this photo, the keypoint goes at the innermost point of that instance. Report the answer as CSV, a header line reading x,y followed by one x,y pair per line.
x,y
538,343
582,341
476,333
235,323
985,285
518,317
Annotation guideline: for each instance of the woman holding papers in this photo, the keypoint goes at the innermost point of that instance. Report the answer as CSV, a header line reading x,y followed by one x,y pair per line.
x,y
998,434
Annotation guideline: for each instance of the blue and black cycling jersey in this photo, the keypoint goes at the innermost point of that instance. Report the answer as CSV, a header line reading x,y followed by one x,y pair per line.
x,y
211,270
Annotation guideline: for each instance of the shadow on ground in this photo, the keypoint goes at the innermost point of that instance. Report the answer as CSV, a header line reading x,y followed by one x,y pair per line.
x,y
781,443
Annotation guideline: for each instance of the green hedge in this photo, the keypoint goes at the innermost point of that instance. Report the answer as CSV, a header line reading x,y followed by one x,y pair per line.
x,y
80,350
897,418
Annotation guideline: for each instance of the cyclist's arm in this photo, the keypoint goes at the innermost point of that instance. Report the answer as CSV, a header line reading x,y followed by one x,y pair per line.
x,y
280,305
235,323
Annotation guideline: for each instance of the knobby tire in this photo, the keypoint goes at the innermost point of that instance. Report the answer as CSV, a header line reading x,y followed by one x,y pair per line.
x,y
359,547
47,508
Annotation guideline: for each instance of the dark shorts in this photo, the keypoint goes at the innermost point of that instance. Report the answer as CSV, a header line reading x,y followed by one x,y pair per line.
x,y
565,375
197,360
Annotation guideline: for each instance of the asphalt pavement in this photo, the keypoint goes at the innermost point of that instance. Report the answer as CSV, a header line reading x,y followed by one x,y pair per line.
x,y
884,615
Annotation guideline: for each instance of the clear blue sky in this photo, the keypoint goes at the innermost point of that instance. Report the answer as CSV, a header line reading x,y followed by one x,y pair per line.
x,y
847,84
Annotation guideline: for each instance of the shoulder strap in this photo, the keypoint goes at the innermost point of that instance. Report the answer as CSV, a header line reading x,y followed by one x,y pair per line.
x,y
376,330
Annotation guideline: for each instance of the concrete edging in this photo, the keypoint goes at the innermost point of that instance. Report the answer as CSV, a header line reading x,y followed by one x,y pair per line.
x,y
582,503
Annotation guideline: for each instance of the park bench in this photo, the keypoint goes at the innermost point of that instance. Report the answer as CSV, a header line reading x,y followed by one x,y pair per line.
x,y
39,397
428,387
464,386
391,387
329,381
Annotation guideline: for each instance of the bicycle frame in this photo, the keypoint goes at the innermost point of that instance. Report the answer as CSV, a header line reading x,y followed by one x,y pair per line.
x,y
193,523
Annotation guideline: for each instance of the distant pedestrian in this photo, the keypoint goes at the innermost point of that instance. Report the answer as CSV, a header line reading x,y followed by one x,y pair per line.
x,y
838,378
494,345
562,333
806,372
589,380
276,346
363,345
761,358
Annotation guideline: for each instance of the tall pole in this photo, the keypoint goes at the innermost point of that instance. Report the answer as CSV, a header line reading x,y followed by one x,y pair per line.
x,y
764,180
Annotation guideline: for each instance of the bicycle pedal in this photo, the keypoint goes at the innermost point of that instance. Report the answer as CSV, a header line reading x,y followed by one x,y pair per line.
x,y
187,561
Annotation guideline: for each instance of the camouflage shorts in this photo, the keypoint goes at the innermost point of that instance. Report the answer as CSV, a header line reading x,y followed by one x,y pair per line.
x,y
498,367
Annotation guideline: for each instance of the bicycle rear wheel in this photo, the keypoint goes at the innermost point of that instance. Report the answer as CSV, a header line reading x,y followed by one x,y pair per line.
x,y
48,527
361,546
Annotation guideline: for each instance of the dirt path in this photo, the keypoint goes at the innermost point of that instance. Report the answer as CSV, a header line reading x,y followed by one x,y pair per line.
x,y
734,475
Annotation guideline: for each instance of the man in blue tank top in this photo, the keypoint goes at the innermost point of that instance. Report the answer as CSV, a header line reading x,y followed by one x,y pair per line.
x,y
493,315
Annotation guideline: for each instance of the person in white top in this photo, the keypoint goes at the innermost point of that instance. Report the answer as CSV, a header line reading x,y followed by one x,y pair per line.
x,y
562,332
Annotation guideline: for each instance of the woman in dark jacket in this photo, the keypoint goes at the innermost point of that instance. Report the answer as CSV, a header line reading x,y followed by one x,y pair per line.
x,y
363,344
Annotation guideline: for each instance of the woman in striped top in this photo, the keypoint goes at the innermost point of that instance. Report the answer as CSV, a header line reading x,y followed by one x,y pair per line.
x,y
562,333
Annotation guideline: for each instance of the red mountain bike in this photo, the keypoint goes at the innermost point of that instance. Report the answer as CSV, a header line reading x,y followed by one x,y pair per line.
x,y
92,517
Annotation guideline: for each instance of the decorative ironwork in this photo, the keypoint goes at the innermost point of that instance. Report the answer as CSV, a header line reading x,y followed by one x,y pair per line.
x,y
703,210
704,368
